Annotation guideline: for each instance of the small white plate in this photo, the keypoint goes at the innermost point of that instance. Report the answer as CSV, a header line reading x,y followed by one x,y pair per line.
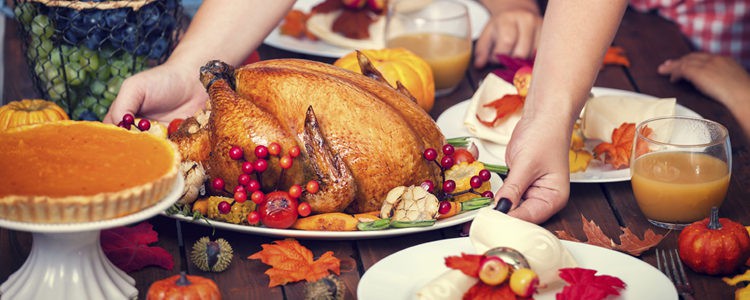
x,y
400,275
451,123
495,182
478,14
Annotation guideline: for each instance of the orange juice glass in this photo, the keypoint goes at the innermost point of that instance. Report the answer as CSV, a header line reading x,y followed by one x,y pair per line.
x,y
680,169
438,31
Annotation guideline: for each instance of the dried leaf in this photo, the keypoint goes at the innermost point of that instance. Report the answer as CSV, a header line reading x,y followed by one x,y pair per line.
x,y
617,153
616,56
128,248
466,263
629,242
487,292
291,262
737,278
584,284
504,106
578,160
564,235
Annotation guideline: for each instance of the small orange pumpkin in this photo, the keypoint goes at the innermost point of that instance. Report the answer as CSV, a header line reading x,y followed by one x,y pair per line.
x,y
714,246
398,65
29,111
184,287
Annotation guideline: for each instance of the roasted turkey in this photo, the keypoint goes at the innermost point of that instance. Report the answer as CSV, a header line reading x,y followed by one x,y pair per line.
x,y
358,136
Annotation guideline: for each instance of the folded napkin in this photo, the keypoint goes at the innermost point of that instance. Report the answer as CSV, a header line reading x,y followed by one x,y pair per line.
x,y
490,228
492,88
602,114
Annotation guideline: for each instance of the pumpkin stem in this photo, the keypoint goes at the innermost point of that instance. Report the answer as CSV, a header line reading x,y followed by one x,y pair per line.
x,y
183,280
713,222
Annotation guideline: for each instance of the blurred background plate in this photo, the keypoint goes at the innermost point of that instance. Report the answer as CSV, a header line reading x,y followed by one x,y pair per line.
x,y
479,17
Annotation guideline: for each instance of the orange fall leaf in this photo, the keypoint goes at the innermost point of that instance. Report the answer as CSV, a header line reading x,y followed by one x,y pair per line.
x,y
616,56
291,262
617,153
629,242
504,106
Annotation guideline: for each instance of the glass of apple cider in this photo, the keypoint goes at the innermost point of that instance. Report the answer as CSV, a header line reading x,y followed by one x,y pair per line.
x,y
439,31
680,168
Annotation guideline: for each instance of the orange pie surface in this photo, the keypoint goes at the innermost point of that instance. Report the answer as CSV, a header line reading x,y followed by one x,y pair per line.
x,y
73,171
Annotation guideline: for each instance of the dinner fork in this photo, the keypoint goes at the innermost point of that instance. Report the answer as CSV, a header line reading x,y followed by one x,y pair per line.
x,y
673,268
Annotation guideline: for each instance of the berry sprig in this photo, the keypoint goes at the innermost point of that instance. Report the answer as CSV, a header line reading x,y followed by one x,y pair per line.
x,y
251,188
449,186
128,121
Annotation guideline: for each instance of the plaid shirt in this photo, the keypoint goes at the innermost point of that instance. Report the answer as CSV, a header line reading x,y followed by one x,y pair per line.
x,y
713,26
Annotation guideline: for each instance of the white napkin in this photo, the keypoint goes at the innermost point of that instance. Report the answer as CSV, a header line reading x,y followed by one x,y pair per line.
x,y
491,89
490,228
602,114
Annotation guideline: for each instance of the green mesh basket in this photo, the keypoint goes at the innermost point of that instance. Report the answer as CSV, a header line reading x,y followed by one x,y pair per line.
x,y
81,51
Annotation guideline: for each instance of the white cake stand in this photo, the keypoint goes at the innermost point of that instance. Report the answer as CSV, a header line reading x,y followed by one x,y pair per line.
x,y
67,260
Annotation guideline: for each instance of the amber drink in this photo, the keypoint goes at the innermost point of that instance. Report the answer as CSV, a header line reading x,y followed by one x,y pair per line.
x,y
437,31
680,169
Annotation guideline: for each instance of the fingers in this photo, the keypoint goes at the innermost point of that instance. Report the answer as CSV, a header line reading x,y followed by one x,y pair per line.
x,y
128,101
537,210
482,48
527,35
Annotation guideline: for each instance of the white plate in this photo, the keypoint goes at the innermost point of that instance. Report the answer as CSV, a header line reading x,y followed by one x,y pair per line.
x,y
478,14
402,274
452,119
495,182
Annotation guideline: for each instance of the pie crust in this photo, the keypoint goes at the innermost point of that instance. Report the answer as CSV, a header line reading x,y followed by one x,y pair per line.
x,y
78,171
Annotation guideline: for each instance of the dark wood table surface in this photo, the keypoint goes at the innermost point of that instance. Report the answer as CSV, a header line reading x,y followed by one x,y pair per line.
x,y
647,39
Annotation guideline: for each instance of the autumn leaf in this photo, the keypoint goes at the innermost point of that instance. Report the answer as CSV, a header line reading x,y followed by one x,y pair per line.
x,y
616,56
482,291
128,248
466,263
504,106
617,153
629,242
291,262
584,284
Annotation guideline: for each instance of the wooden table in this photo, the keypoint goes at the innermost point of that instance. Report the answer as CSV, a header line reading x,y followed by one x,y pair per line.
x,y
648,41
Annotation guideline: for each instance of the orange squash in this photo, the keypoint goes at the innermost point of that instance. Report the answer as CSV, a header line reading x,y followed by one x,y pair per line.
x,y
398,65
29,111
184,287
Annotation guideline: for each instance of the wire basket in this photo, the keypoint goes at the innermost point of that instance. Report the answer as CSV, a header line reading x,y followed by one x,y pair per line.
x,y
81,51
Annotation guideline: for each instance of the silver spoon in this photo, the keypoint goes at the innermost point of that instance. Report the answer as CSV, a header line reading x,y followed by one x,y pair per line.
x,y
510,256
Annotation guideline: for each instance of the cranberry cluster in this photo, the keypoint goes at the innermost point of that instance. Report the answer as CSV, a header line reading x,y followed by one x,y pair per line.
x,y
128,120
247,185
449,159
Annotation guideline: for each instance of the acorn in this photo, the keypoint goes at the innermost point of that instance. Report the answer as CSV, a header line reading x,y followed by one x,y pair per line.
x,y
326,288
214,256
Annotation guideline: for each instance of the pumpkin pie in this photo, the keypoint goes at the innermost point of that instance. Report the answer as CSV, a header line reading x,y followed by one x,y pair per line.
x,y
77,171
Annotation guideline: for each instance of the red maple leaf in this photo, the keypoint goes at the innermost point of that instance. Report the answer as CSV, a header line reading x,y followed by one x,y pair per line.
x,y
128,248
466,263
584,284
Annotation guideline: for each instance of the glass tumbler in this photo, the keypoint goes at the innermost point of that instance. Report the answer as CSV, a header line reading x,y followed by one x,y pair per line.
x,y
438,31
680,169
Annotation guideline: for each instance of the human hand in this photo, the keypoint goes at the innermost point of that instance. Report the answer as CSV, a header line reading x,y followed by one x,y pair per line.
x,y
719,77
162,93
538,182
513,32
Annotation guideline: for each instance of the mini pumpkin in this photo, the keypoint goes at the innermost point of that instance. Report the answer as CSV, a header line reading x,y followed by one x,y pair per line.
x,y
398,65
714,245
29,111
184,287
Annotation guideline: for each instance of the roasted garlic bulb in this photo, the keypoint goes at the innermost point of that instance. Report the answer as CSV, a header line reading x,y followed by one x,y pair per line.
x,y
411,203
